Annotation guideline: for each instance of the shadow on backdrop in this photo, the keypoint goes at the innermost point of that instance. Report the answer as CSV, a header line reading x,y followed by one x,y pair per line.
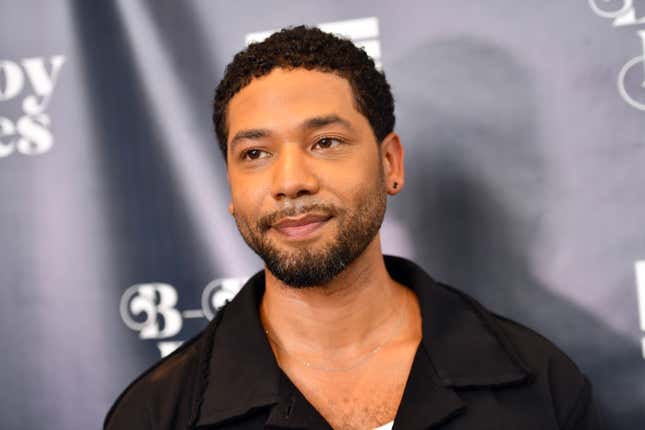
x,y
151,236
476,179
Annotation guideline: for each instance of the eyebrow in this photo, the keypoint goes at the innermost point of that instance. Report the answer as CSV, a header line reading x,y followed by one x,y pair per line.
x,y
308,124
256,133
322,121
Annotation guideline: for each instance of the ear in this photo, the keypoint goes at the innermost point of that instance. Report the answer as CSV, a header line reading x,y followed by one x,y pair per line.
x,y
391,151
231,209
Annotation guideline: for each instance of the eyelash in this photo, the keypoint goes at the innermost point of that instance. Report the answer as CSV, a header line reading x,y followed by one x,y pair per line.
x,y
245,153
341,141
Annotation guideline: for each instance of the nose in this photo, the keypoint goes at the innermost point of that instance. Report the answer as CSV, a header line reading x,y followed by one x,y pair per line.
x,y
293,174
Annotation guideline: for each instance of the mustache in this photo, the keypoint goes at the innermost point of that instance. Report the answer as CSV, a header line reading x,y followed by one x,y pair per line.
x,y
265,222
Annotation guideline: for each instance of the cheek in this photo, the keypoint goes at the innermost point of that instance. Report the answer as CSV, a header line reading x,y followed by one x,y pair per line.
x,y
358,179
247,200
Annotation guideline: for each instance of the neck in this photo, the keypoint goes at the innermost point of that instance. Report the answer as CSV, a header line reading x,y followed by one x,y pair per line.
x,y
356,309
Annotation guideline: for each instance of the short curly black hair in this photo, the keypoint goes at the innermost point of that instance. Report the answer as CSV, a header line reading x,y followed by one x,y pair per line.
x,y
312,49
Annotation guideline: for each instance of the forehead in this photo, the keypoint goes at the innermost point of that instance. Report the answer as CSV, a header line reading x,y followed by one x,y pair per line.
x,y
282,98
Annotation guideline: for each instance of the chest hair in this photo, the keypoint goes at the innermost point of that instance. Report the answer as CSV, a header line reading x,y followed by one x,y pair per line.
x,y
359,401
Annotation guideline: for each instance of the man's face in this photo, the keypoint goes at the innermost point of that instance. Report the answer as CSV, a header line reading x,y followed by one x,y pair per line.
x,y
306,176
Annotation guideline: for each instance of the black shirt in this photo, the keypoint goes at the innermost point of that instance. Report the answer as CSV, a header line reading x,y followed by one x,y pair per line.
x,y
472,370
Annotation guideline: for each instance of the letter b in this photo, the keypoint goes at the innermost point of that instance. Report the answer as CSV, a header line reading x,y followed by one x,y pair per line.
x,y
153,300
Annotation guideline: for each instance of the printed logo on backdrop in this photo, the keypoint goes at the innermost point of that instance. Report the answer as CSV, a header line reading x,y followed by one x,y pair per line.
x,y
26,88
362,31
640,287
631,78
151,310
631,86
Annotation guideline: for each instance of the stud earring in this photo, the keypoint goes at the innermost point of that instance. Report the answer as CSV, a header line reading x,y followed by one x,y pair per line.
x,y
394,185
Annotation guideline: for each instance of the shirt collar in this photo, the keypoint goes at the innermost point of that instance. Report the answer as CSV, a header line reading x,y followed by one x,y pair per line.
x,y
462,347
465,343
243,373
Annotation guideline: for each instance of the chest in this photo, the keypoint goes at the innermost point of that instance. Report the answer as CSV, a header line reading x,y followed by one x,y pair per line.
x,y
358,409
363,399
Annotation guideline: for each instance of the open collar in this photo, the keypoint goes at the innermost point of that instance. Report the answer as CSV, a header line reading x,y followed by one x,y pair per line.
x,y
243,372
464,342
462,347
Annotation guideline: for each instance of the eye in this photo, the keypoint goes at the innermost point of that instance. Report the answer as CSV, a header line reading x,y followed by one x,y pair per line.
x,y
253,154
328,142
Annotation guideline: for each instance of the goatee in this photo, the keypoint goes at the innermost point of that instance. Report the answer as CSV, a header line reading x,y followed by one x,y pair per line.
x,y
307,267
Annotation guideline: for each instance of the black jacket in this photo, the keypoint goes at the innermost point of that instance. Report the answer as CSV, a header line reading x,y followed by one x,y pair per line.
x,y
473,370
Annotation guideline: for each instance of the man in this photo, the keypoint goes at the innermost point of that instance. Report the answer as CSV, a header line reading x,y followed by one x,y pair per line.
x,y
332,333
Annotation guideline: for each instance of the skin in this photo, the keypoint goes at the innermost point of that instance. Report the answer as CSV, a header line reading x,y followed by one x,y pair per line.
x,y
339,323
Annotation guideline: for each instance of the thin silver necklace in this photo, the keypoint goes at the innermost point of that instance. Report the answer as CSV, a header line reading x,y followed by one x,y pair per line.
x,y
364,359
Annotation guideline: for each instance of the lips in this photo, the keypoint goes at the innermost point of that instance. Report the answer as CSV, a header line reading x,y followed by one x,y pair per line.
x,y
300,226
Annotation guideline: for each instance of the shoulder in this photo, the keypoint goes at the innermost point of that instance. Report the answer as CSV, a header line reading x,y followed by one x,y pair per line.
x,y
555,375
167,388
555,382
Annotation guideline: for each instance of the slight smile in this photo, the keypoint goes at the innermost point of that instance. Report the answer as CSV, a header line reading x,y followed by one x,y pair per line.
x,y
301,227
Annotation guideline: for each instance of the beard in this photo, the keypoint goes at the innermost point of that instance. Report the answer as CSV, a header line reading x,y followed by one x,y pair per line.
x,y
307,267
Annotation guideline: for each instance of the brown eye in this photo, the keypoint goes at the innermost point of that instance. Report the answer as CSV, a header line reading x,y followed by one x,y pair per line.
x,y
252,154
327,142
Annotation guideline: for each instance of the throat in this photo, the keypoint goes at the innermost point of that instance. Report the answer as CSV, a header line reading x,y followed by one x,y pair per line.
x,y
338,330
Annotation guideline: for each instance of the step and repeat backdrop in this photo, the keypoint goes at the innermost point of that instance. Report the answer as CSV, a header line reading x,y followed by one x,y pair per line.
x,y
524,129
